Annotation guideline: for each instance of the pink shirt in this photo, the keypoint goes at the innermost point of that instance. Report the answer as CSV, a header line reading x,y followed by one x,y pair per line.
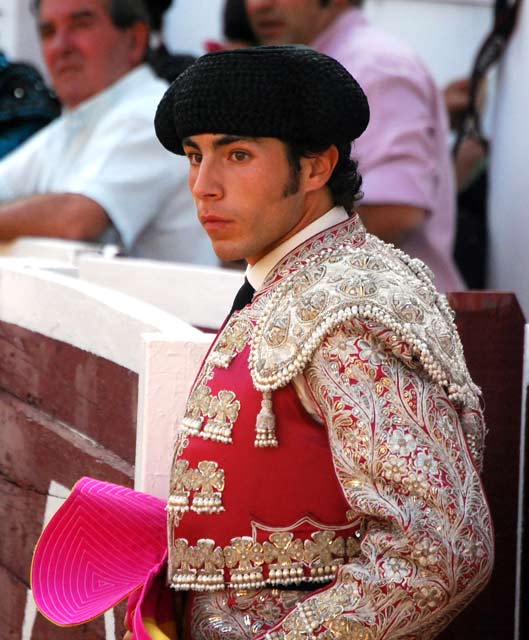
x,y
403,155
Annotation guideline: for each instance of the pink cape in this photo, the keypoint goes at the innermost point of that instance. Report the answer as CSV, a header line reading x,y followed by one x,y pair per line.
x,y
103,544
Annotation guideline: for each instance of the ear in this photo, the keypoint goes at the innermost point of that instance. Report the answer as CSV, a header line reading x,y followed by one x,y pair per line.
x,y
138,42
318,168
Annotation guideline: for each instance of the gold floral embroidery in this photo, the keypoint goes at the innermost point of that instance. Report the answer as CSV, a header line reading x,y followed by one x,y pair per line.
x,y
222,411
324,553
281,552
209,560
181,557
203,481
231,342
285,558
240,614
312,305
244,557
344,629
180,481
197,407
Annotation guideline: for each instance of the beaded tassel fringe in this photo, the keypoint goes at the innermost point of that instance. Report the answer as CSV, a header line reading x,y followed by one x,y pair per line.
x,y
265,428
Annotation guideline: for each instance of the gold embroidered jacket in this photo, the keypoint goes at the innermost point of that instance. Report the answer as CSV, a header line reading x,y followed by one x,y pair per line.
x,y
359,329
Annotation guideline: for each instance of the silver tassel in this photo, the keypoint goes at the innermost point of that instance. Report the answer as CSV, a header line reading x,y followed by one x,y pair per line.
x,y
265,428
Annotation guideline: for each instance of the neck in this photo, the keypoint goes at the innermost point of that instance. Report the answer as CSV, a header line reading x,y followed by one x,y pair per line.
x,y
317,203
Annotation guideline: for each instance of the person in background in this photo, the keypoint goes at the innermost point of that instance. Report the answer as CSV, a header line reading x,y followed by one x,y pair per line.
x,y
97,173
409,195
236,29
26,104
166,65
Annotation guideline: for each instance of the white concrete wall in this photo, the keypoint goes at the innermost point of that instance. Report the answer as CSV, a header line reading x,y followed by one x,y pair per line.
x,y
93,318
446,34
509,171
170,366
18,35
199,295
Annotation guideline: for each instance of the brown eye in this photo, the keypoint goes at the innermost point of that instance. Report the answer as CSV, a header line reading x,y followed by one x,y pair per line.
x,y
240,156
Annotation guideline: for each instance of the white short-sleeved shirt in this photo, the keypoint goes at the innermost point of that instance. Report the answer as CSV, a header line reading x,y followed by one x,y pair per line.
x,y
403,154
106,149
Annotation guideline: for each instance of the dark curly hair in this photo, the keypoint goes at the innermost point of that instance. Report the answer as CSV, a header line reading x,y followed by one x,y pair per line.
x,y
345,181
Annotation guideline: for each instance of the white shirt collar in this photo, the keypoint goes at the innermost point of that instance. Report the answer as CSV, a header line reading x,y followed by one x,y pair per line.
x,y
257,272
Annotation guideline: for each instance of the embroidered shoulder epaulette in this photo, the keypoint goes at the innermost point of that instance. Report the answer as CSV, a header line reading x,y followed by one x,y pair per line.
x,y
371,282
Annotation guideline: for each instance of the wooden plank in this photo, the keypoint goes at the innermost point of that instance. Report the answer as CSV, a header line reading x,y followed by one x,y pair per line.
x,y
491,325
93,395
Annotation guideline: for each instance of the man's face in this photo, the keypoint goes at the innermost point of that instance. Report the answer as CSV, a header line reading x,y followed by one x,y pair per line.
x,y
288,21
84,52
248,199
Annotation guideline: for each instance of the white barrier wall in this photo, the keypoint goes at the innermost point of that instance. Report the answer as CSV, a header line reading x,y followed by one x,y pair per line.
x,y
170,365
95,319
509,171
199,295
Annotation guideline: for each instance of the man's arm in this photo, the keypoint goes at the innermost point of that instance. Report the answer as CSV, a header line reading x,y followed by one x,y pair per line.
x,y
391,222
402,461
56,215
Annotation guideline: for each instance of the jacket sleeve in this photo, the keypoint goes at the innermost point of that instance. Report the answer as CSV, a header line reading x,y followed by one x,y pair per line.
x,y
405,468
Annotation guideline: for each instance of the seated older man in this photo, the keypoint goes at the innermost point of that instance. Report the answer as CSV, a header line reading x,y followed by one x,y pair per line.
x,y
98,172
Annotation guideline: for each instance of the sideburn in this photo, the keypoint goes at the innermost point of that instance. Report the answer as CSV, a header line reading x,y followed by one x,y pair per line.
x,y
294,172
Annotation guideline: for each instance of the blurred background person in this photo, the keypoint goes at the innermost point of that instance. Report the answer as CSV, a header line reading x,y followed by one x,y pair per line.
x,y
98,173
236,28
166,64
26,103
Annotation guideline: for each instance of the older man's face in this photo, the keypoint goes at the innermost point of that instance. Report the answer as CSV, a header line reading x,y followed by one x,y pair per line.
x,y
84,52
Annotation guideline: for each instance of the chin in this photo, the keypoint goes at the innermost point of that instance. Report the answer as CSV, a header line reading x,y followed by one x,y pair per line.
x,y
227,254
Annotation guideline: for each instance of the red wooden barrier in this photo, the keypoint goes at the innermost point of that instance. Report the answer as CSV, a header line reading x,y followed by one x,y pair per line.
x,y
491,326
64,413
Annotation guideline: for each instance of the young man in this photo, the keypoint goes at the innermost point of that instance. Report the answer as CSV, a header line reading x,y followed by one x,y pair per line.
x,y
325,479
409,196
98,172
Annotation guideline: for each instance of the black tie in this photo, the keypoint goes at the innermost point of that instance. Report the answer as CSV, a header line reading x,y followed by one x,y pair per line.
x,y
244,296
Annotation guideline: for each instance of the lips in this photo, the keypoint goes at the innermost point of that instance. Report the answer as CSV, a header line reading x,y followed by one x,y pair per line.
x,y
65,69
213,222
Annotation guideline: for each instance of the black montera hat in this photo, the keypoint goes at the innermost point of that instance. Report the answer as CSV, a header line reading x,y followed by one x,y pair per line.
x,y
288,92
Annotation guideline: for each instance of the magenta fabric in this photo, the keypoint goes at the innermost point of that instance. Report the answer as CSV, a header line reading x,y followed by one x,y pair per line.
x,y
104,543
403,155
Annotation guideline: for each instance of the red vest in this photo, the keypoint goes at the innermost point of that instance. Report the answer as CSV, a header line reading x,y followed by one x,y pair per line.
x,y
256,515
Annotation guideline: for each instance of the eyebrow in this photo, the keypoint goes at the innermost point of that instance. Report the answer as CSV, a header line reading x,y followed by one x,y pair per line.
x,y
76,15
221,142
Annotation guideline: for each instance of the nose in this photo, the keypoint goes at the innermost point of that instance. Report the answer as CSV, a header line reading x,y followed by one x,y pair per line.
x,y
204,181
253,6
59,42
